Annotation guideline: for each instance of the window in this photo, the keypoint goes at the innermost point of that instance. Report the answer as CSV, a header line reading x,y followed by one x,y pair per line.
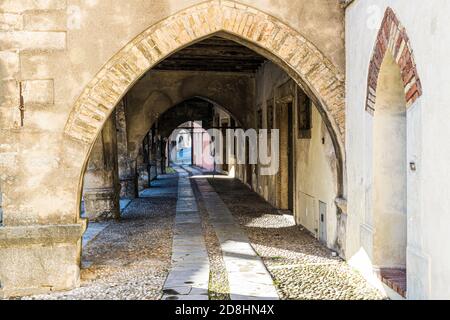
x,y
304,116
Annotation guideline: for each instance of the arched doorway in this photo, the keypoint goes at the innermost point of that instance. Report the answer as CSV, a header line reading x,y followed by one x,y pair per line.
x,y
393,88
390,170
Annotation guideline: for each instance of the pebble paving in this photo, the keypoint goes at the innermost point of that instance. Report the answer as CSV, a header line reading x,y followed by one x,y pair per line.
x,y
302,268
204,239
130,258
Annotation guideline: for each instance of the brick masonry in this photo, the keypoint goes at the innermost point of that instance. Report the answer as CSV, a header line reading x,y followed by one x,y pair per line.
x,y
179,30
392,37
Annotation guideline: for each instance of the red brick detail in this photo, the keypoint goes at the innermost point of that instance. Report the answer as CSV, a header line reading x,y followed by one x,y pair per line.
x,y
392,36
394,279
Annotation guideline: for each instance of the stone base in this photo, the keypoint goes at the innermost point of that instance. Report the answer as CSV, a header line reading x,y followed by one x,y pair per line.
x,y
101,204
159,170
143,178
39,259
128,188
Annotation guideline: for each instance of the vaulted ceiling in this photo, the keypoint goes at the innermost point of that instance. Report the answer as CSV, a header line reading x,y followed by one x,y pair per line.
x,y
214,54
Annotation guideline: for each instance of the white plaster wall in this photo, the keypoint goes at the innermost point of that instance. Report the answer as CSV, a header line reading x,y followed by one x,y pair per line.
x,y
389,169
315,165
428,135
316,178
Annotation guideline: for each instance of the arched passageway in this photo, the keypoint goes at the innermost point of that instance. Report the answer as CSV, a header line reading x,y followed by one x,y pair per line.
x,y
301,191
275,69
308,67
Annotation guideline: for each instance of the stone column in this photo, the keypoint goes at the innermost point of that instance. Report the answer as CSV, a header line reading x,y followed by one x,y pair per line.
x,y
101,180
142,166
127,170
153,155
163,155
159,156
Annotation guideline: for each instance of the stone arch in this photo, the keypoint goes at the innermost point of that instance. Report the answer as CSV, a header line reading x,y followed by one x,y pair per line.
x,y
138,134
392,38
275,40
180,121
222,108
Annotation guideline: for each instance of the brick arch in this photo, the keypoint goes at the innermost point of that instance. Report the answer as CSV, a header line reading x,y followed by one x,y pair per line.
x,y
304,62
392,38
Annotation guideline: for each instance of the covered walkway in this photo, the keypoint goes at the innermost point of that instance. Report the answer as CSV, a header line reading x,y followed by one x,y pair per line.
x,y
198,237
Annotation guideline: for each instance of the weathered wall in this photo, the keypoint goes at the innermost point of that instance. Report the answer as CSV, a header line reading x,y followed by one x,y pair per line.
x,y
101,185
127,165
316,179
428,259
223,120
315,160
201,142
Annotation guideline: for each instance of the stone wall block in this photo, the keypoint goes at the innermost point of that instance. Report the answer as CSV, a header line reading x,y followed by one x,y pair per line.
x,y
48,20
9,65
31,40
25,5
11,22
9,92
38,92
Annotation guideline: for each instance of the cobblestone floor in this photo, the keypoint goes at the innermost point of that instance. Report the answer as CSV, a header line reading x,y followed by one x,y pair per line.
x,y
301,267
130,259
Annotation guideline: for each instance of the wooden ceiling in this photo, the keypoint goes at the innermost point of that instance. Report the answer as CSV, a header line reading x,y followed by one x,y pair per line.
x,y
214,54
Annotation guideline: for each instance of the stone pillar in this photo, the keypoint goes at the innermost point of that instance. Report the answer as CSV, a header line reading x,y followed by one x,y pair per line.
x,y
101,180
153,155
163,155
127,170
142,166
159,158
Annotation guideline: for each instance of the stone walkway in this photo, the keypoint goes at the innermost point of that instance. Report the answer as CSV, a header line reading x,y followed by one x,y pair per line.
x,y
248,278
189,275
197,238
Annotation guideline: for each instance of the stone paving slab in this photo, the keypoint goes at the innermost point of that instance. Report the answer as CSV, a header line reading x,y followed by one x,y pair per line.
x,y
247,275
188,278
